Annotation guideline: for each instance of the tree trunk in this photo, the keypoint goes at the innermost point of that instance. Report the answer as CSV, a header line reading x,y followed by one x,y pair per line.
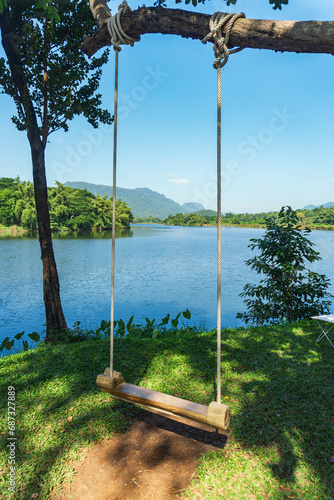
x,y
55,320
283,36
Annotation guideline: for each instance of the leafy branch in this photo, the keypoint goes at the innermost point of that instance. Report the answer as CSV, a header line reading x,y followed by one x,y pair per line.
x,y
277,4
3,5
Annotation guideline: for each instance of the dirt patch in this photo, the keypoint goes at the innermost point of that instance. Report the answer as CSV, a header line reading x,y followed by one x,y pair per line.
x,y
155,459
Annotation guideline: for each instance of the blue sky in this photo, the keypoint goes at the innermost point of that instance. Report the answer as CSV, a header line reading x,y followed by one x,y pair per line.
x,y
278,129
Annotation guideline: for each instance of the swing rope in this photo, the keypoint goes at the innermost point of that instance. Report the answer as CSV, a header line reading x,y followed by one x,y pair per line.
x,y
220,42
117,37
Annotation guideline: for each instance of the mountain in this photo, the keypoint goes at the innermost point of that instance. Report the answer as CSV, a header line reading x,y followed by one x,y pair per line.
x,y
309,207
192,207
143,201
325,205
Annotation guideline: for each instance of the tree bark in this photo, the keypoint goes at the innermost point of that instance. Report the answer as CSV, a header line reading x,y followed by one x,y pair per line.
x,y
55,320
100,11
283,36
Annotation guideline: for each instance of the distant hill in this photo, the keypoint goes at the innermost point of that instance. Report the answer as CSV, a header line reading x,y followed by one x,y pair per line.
x,y
143,201
192,207
309,207
325,205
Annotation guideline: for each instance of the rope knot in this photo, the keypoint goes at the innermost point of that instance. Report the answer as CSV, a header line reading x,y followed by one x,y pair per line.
x,y
116,32
217,22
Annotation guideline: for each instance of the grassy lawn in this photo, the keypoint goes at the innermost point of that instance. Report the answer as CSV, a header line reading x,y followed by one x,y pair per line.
x,y
278,382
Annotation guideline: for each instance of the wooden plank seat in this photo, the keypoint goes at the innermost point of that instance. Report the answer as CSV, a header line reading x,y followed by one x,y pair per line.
x,y
215,415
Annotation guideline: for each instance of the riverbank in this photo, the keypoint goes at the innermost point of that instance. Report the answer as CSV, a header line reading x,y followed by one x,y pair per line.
x,y
13,230
17,230
323,227
278,382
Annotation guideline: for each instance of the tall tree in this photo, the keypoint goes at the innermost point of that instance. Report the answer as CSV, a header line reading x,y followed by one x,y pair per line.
x,y
50,81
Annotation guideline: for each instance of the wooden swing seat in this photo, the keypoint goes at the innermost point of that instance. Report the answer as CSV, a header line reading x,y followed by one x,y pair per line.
x,y
216,415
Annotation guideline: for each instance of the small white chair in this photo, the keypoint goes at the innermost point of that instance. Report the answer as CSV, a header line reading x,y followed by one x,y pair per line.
x,y
325,327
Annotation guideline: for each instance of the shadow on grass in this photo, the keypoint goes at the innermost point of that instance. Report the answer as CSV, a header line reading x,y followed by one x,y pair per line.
x,y
278,382
59,410
282,388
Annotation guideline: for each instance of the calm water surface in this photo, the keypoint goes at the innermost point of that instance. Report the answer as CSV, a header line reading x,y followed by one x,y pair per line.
x,y
159,270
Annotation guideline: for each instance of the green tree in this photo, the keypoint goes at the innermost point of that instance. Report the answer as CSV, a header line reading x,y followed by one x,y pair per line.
x,y
25,203
195,220
51,82
7,200
277,4
69,208
123,214
288,291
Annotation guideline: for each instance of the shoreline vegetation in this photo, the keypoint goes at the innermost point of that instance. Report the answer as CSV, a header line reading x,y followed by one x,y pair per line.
x,y
70,209
310,219
13,229
16,230
79,210
277,381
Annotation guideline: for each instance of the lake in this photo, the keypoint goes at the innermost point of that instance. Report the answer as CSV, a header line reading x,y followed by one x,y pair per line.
x,y
159,270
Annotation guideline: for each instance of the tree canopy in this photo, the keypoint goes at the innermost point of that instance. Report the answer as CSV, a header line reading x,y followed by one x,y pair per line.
x,y
61,81
70,209
277,4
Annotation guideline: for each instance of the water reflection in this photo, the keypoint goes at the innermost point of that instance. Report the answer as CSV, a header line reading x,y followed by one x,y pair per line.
x,y
138,230
159,270
89,235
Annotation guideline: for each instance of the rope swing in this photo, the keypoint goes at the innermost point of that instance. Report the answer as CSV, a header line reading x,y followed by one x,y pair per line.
x,y
216,414
222,53
117,37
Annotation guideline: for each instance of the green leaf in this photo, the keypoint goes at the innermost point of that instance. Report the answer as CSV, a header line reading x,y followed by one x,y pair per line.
x,y
186,314
25,345
18,335
34,336
3,5
129,324
175,321
121,327
6,344
155,333
277,4
165,320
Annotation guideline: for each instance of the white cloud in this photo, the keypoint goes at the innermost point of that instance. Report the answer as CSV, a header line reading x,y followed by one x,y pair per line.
x,y
179,181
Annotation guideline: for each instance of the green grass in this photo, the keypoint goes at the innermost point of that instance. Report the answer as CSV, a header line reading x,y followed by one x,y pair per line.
x,y
277,380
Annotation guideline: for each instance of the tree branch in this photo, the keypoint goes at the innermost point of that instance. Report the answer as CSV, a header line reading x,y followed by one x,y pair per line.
x,y
283,36
100,11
